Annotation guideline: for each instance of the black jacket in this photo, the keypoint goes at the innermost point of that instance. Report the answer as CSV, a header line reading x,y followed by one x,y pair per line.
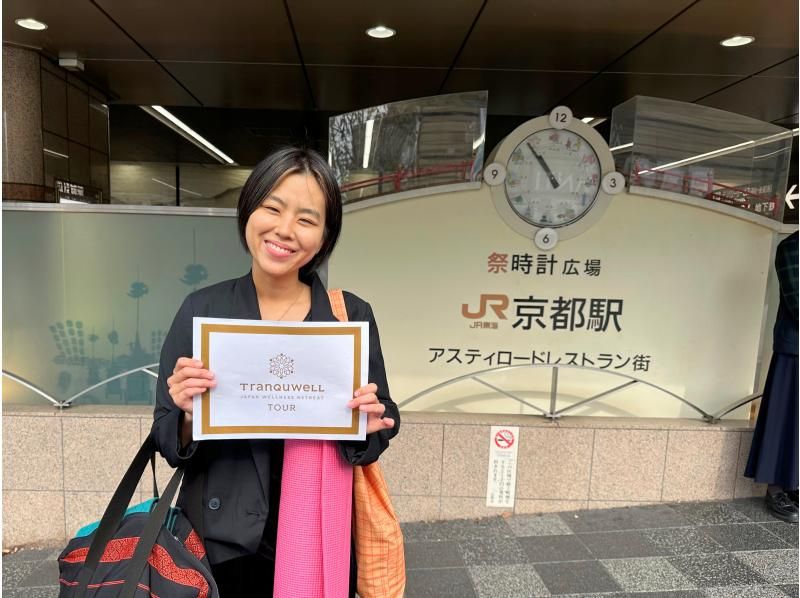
x,y
226,482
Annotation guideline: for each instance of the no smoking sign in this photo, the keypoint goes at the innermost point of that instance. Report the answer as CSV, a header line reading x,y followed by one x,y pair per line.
x,y
502,475
504,439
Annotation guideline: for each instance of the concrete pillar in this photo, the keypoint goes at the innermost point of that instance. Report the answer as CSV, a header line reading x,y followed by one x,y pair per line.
x,y
23,167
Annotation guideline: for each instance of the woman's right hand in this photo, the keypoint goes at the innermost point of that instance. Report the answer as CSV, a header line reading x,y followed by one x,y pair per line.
x,y
188,379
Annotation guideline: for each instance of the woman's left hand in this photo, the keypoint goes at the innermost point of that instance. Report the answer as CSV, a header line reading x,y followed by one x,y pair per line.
x,y
366,399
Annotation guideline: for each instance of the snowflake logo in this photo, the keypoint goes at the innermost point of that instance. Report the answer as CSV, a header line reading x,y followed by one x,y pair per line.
x,y
281,365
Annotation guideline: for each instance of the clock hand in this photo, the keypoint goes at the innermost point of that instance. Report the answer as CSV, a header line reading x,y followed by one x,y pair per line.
x,y
544,166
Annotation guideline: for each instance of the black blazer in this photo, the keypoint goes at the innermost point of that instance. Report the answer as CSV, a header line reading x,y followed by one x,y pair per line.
x,y
225,487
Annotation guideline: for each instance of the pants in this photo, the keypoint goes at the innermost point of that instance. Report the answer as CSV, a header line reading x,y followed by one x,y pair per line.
x,y
254,575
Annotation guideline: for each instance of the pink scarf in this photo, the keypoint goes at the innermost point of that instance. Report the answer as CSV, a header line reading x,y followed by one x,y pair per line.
x,y
312,557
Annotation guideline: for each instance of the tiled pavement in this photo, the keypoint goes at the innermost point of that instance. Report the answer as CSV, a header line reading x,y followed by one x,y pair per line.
x,y
729,549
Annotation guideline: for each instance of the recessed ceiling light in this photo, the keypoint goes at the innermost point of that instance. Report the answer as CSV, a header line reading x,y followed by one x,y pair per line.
x,y
737,40
380,32
31,24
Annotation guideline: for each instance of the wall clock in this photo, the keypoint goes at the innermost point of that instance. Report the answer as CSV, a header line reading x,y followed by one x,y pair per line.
x,y
552,177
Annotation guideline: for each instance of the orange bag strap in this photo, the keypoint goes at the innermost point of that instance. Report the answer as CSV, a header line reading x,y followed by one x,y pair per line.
x,y
337,304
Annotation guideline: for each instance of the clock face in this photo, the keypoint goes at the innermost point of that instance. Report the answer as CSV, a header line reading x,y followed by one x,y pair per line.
x,y
553,178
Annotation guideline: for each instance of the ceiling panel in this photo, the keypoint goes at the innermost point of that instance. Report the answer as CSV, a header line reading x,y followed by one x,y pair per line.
x,y
562,35
72,27
237,85
521,93
764,98
690,44
789,121
138,82
787,68
233,30
343,89
609,89
245,135
428,33
137,136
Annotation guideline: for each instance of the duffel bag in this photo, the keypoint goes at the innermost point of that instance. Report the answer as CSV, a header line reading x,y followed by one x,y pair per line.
x,y
148,550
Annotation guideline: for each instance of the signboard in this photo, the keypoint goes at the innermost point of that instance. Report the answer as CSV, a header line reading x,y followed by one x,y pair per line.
x,y
502,477
67,192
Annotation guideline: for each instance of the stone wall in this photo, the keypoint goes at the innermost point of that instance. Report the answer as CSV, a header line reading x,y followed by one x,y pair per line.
x,y
61,468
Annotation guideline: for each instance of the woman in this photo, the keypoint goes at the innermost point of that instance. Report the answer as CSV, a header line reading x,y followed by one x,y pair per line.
x,y
773,456
289,219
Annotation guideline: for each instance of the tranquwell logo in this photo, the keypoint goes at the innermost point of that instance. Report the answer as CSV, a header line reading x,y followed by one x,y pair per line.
x,y
281,365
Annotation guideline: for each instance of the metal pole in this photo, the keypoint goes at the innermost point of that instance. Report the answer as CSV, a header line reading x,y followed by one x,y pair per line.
x,y
553,393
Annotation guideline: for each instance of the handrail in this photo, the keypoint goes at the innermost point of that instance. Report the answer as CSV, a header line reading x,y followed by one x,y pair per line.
x,y
735,405
397,177
31,386
143,368
554,413
67,402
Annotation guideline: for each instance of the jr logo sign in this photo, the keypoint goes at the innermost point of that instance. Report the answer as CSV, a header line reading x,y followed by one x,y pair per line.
x,y
498,304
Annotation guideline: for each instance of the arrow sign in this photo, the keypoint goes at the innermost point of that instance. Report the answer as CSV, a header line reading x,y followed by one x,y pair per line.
x,y
790,196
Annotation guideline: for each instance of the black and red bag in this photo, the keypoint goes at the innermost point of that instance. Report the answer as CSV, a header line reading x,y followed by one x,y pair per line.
x,y
150,550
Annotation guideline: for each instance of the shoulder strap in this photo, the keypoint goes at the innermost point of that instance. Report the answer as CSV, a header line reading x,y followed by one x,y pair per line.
x,y
337,304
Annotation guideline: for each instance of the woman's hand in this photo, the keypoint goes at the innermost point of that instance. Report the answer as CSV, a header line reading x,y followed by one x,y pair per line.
x,y
366,399
188,379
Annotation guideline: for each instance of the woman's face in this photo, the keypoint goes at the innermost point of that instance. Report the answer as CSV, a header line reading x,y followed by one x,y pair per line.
x,y
286,231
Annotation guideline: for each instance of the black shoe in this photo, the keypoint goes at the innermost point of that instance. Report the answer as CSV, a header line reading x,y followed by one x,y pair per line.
x,y
793,496
781,506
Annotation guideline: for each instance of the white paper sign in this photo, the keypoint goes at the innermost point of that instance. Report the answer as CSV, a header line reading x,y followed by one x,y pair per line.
x,y
501,485
281,379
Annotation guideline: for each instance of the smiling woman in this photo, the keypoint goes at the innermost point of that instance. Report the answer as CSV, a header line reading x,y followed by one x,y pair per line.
x,y
260,503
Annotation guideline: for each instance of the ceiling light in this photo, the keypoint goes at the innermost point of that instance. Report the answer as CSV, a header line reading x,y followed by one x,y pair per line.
x,y
367,142
181,128
31,24
380,32
54,154
619,148
726,150
593,121
737,40
173,187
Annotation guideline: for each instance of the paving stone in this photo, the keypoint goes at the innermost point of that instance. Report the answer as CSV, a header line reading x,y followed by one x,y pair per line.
x,y
15,572
627,518
683,540
753,508
776,566
785,531
42,592
745,592
576,577
554,549
751,536
44,574
508,581
716,570
538,525
31,554
459,529
439,583
432,555
710,513
492,551
647,575
619,545
790,590
671,594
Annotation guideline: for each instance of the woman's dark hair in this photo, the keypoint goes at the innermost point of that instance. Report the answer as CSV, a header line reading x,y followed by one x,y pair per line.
x,y
265,177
